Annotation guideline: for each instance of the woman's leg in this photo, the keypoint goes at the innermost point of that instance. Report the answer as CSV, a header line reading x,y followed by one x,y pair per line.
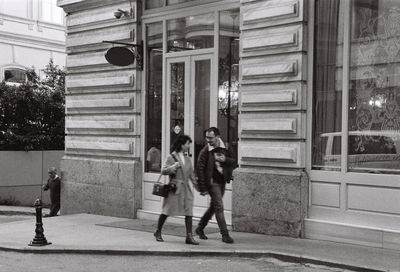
x,y
161,221
188,224
189,235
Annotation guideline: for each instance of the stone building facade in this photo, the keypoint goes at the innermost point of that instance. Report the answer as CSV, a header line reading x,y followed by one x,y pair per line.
x,y
279,78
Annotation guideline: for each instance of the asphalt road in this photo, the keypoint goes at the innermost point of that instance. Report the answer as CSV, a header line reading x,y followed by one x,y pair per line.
x,y
26,262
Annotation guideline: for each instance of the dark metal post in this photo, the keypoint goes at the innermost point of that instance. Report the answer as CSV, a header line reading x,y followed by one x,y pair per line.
x,y
39,239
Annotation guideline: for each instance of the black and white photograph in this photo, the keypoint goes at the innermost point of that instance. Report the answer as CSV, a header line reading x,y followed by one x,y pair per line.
x,y
199,135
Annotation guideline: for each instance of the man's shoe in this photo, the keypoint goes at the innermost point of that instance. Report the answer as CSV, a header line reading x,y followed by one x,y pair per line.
x,y
190,240
201,234
158,236
227,239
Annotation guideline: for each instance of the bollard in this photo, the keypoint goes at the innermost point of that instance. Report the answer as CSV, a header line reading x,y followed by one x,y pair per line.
x,y
39,239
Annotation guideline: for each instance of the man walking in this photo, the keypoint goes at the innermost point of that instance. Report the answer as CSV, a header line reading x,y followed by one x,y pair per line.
x,y
54,184
214,169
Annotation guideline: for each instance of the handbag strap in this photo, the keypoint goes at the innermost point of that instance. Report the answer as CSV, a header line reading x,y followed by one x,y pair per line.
x,y
176,160
159,177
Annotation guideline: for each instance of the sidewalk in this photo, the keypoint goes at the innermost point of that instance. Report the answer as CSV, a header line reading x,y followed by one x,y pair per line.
x,y
81,233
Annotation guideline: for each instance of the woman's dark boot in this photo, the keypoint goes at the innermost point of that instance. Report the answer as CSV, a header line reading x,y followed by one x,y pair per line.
x,y
190,240
161,221
189,236
158,236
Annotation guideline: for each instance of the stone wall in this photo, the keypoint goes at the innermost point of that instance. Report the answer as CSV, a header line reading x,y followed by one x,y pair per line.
x,y
23,174
270,188
102,172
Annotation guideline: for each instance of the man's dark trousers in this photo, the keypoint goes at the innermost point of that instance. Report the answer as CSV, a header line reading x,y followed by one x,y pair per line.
x,y
216,192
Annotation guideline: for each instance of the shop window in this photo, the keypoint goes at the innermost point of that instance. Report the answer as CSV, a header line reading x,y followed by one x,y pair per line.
x,y
191,32
51,12
154,34
14,76
372,91
228,79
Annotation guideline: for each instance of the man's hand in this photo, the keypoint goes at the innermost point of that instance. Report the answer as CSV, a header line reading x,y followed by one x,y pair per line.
x,y
220,157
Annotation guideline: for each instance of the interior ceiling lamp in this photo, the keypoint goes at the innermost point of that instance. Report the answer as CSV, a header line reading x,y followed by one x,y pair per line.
x,y
125,55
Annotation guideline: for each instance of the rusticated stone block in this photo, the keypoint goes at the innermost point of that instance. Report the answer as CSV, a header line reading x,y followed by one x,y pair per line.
x,y
272,202
104,187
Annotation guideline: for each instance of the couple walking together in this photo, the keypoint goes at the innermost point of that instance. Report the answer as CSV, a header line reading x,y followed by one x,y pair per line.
x,y
214,169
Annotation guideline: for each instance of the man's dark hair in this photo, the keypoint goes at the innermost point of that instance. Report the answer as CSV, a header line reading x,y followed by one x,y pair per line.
x,y
181,140
212,129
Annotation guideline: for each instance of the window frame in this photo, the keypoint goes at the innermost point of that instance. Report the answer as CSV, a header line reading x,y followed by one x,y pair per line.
x,y
41,19
4,68
343,178
163,15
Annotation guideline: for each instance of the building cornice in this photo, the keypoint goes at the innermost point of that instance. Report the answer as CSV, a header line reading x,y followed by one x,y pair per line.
x,y
28,21
29,41
70,6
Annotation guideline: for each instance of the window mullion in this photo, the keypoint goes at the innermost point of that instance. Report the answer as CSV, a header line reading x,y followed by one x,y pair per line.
x,y
345,86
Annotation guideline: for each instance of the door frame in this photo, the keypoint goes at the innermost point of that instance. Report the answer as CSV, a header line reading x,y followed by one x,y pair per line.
x,y
150,203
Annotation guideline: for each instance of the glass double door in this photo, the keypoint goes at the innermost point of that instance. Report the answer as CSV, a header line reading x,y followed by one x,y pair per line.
x,y
190,103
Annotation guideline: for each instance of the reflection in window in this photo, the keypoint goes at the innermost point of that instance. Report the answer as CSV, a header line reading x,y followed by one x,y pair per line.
x,y
177,88
228,81
202,103
191,32
51,12
327,94
174,2
153,97
373,140
374,96
14,75
149,4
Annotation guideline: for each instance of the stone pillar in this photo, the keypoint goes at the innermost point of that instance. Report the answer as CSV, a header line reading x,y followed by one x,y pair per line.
x,y
101,167
270,188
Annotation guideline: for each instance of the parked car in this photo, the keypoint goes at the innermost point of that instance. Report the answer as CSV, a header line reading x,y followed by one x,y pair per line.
x,y
368,150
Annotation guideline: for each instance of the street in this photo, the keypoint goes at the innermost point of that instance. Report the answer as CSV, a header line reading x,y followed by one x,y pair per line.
x,y
22,262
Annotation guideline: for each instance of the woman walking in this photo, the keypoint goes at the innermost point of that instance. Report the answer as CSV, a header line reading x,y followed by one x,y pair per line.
x,y
180,200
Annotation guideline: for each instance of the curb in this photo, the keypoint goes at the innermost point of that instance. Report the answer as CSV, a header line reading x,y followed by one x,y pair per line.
x,y
191,253
16,213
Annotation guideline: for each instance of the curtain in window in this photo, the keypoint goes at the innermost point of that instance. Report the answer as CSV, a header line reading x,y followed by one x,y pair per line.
x,y
327,108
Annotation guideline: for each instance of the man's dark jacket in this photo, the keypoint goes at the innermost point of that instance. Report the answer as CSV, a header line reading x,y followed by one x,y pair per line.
x,y
55,189
206,164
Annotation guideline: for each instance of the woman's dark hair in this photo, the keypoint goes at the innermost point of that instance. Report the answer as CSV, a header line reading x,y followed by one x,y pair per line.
x,y
181,140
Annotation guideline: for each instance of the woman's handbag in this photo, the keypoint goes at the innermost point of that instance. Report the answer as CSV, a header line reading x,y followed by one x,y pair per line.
x,y
160,189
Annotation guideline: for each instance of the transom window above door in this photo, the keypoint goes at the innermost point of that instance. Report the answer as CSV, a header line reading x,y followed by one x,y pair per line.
x,y
190,32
